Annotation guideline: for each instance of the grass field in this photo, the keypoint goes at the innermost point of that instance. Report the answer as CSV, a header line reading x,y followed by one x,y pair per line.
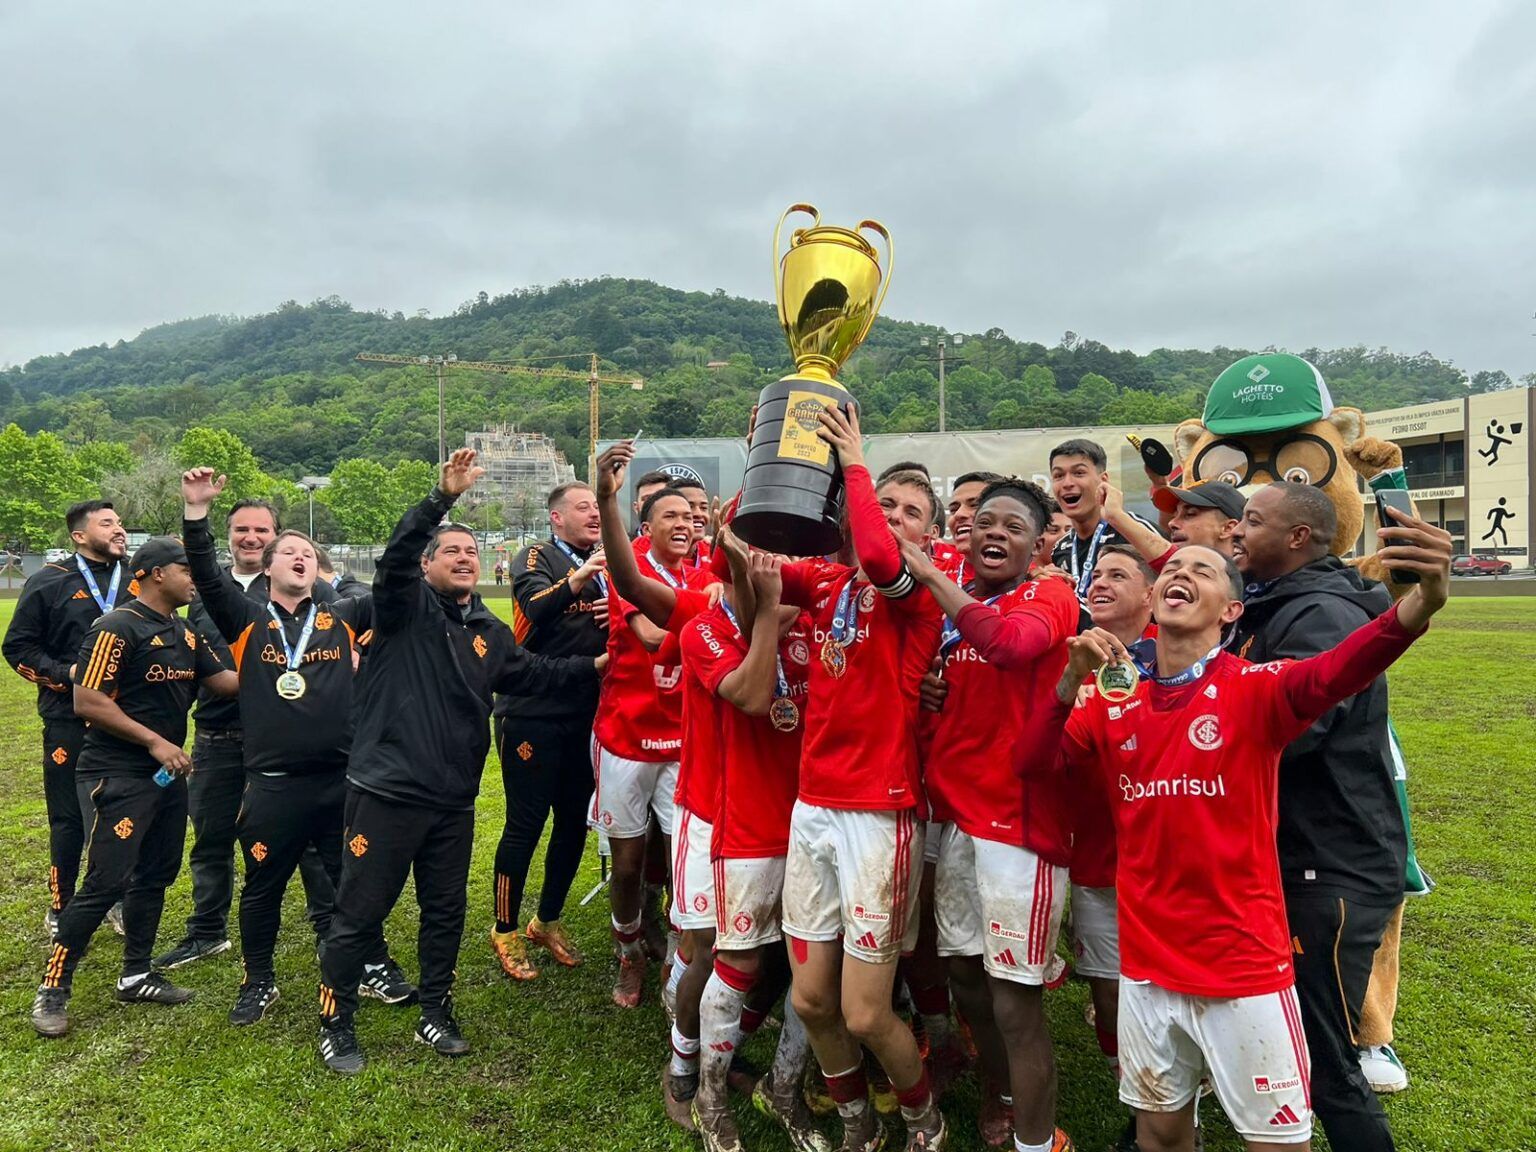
x,y
555,1066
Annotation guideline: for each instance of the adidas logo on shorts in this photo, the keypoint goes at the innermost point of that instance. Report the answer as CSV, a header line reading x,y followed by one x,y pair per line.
x,y
868,941
1284,1117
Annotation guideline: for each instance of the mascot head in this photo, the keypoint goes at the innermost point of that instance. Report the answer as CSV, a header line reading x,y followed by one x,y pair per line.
x,y
1270,417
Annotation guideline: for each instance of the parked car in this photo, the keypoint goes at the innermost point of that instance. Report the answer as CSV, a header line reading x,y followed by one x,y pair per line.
x,y
56,555
1479,566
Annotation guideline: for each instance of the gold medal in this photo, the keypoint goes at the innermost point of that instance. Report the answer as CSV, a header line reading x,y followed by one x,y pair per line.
x,y
784,715
833,658
1117,682
291,686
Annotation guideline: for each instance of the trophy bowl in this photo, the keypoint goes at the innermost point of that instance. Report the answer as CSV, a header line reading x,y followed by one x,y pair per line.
x,y
830,286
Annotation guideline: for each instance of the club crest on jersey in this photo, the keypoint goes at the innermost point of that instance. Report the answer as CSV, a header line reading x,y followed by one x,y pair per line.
x,y
323,621
742,923
1205,733
701,902
862,913
800,652
867,599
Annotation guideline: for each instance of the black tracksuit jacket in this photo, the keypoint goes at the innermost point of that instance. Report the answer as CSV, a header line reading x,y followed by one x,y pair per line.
x,y
1341,830
55,611
424,702
550,619
314,732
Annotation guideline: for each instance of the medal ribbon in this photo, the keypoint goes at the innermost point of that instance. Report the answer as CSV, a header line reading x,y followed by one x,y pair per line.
x,y
1082,571
781,684
1144,655
295,655
666,577
598,578
845,617
103,602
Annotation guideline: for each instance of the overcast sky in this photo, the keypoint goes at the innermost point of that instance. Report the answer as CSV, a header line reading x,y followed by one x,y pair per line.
x,y
1142,173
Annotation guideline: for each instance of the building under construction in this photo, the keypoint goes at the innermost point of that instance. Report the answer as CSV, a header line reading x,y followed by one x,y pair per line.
x,y
519,466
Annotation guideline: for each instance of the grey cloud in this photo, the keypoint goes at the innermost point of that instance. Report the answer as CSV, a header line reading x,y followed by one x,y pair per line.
x,y
1182,173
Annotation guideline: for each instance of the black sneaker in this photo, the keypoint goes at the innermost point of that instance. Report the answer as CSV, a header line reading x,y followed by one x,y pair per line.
x,y
153,989
253,1001
115,918
387,982
191,950
441,1031
50,1012
339,1049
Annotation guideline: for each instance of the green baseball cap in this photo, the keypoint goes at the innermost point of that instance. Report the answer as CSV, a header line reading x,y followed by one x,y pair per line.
x,y
1266,393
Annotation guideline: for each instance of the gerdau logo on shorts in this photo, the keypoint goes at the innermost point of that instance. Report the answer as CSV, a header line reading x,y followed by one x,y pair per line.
x,y
1134,790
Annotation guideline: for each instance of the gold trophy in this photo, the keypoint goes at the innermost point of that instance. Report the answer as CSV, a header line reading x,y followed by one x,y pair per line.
x,y
830,287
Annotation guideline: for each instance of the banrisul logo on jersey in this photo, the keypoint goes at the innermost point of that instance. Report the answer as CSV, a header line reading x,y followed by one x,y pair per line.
x,y
1134,790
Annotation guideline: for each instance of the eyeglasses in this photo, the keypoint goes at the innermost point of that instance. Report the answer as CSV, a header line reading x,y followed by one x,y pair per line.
x,y
1302,459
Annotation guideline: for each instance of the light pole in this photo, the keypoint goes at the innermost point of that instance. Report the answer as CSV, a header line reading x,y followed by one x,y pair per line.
x,y
442,438
959,340
309,484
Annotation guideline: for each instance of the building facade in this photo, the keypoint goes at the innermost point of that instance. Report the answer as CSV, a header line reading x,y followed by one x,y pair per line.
x,y
519,466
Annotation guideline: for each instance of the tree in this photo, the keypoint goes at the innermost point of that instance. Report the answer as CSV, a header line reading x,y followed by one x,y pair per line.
x,y
361,498
38,480
148,495
227,455
102,457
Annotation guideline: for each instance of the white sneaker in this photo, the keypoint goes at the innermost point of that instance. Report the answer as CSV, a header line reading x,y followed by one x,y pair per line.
x,y
1383,1070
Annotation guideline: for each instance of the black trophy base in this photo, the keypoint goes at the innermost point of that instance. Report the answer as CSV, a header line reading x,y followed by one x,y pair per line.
x,y
791,499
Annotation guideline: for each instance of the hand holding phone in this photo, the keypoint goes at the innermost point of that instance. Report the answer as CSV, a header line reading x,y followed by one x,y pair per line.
x,y
1399,499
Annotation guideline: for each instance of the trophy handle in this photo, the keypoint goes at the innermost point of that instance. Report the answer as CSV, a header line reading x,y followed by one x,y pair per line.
x,y
890,262
778,271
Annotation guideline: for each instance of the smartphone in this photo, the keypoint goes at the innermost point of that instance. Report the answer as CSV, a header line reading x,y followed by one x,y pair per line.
x,y
1395,498
635,439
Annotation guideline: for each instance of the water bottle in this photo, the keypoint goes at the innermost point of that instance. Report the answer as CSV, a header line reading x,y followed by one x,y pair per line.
x,y
164,777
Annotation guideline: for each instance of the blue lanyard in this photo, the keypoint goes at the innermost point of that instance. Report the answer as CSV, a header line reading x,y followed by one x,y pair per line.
x,y
1144,656
845,617
103,602
602,584
667,577
295,654
1082,573
781,685
951,634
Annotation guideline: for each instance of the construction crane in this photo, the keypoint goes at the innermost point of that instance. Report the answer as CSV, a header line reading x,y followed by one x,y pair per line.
x,y
449,362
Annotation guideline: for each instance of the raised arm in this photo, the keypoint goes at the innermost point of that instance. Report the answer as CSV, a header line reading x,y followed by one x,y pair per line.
x,y
1308,688
398,590
654,600
750,686
1151,545
223,599
873,541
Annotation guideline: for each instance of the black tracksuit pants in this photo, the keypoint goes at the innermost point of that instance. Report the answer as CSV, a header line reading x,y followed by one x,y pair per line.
x,y
1335,941
66,823
133,855
215,790
546,769
382,842
282,820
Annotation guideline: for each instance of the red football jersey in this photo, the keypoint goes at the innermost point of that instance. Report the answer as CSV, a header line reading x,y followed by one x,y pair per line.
x,y
750,783
1193,776
990,767
861,727
640,707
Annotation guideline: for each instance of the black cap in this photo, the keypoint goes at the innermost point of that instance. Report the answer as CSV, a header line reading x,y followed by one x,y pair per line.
x,y
157,552
1210,494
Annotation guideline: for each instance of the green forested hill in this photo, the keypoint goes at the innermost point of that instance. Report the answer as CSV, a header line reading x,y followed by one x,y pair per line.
x,y
287,383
